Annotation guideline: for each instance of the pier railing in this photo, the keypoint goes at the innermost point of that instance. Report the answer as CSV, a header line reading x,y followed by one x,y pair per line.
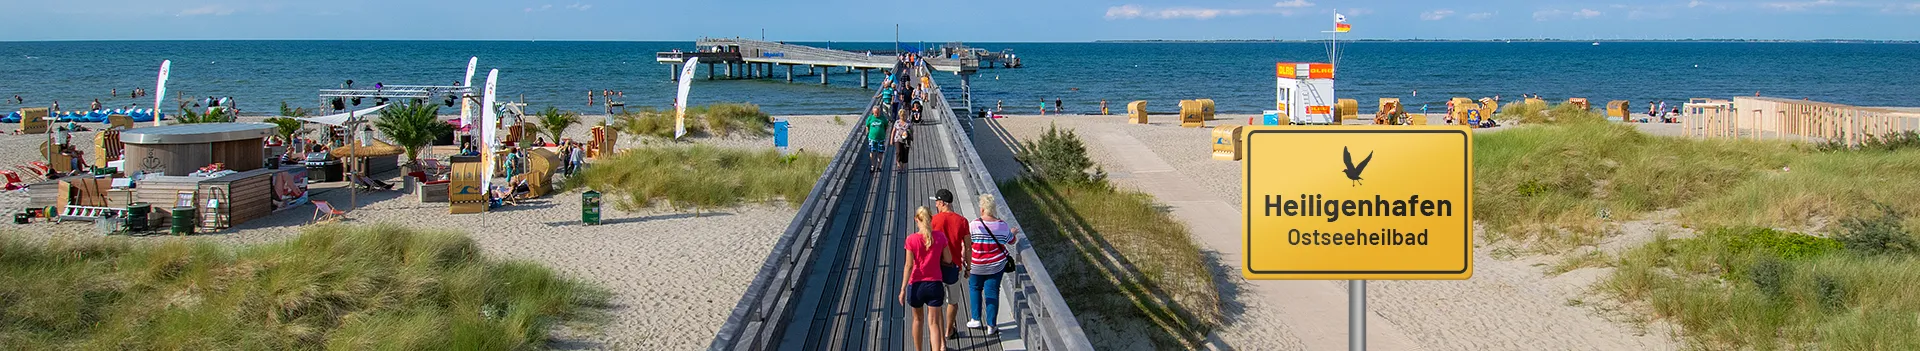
x,y
1043,319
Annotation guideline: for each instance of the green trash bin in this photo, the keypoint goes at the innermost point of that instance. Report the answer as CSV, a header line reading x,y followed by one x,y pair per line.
x,y
183,220
137,216
590,207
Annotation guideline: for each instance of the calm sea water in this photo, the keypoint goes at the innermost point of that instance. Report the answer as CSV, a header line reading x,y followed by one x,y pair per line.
x,y
1239,76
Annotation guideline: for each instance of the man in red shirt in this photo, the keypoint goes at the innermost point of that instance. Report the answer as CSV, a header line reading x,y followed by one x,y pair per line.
x,y
955,227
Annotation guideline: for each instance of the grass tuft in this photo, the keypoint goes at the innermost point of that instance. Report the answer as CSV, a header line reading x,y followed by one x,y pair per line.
x,y
336,287
702,177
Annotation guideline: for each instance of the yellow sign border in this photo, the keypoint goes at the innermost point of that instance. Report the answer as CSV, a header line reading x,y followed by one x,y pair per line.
x,y
1246,206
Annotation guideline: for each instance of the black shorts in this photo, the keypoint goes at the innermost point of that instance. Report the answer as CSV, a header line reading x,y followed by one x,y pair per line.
x,y
949,274
901,156
931,294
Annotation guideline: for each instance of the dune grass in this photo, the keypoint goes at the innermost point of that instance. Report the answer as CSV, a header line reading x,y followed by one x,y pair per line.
x,y
1119,259
1742,286
725,119
1558,184
1818,188
702,177
1542,113
1751,288
333,287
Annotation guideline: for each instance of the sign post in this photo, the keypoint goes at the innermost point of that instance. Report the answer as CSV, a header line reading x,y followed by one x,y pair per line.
x,y
1357,203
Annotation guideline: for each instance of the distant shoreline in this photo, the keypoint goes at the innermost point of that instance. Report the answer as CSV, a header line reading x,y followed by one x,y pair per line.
x,y
1287,41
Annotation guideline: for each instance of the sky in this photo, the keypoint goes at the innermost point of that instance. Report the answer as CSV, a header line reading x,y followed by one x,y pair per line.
x,y
969,20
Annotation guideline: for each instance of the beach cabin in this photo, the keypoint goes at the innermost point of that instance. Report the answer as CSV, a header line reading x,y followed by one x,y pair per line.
x,y
179,150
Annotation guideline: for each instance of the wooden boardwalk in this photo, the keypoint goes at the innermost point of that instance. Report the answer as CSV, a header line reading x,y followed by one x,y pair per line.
x,y
833,280
851,301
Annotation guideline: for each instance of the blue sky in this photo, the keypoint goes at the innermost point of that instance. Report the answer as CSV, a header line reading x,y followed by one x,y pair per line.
x,y
976,20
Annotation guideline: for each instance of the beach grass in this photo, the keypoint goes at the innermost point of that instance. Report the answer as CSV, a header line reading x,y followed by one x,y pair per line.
x,y
1757,288
1818,188
725,119
701,177
1119,259
1542,113
331,287
1559,184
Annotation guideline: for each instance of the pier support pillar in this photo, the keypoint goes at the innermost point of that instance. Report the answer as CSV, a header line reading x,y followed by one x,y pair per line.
x,y
789,73
673,72
810,70
729,70
863,78
709,71
823,75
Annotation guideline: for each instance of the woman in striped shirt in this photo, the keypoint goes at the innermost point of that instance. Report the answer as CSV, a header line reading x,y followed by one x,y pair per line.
x,y
989,238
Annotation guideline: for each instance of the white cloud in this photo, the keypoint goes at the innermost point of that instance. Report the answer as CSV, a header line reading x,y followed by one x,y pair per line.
x,y
1130,11
208,10
1293,4
1480,15
1797,5
1901,8
1358,12
1436,15
579,6
1547,15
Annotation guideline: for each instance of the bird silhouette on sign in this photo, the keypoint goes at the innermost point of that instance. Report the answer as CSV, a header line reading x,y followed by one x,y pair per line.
x,y
1353,171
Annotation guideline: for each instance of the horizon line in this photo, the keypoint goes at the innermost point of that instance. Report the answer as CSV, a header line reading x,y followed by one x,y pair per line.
x,y
1116,41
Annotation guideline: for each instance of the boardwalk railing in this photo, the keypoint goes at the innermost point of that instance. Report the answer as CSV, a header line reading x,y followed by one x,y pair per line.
x,y
1044,320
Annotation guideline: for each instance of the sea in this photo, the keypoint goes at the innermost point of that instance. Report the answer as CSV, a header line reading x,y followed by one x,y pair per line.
x,y
260,75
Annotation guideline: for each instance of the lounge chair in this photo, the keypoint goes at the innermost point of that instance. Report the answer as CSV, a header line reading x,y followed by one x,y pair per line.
x,y
369,184
12,179
323,211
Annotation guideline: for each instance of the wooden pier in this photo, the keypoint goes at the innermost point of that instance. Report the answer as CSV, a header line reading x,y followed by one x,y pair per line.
x,y
734,58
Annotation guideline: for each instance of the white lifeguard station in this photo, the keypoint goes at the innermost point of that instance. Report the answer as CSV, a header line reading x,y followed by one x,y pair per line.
x,y
1304,93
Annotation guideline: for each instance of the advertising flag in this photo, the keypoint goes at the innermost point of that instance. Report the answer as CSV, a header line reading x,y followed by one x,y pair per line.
x,y
160,90
680,104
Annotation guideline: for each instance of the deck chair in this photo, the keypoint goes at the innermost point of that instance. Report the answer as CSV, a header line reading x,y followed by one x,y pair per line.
x,y
433,167
13,180
323,211
369,184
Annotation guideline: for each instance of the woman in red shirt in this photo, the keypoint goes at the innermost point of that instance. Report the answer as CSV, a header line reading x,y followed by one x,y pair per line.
x,y
921,284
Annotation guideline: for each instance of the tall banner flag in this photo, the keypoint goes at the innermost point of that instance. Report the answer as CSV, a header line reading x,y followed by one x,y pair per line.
x,y
466,105
680,105
1340,23
160,90
488,127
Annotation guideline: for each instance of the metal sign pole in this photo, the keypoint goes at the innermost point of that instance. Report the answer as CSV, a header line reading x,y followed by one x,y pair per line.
x,y
1357,315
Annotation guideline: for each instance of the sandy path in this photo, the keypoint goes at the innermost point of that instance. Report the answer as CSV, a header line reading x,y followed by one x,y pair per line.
x,y
675,276
1508,304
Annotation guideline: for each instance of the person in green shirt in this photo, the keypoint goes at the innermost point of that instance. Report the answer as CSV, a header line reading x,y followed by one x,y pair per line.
x,y
876,137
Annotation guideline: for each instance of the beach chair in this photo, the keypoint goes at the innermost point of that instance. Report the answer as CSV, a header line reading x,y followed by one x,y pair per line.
x,y
323,211
369,184
13,180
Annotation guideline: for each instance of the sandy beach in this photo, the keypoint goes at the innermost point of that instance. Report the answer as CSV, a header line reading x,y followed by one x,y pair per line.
x,y
1510,304
674,275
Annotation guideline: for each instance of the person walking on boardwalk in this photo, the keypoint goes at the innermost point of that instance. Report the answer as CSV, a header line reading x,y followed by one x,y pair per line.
x,y
920,286
902,141
876,138
955,227
988,261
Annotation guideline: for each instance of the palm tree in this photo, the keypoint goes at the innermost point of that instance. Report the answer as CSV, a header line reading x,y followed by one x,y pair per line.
x,y
285,128
412,126
554,123
187,116
286,111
